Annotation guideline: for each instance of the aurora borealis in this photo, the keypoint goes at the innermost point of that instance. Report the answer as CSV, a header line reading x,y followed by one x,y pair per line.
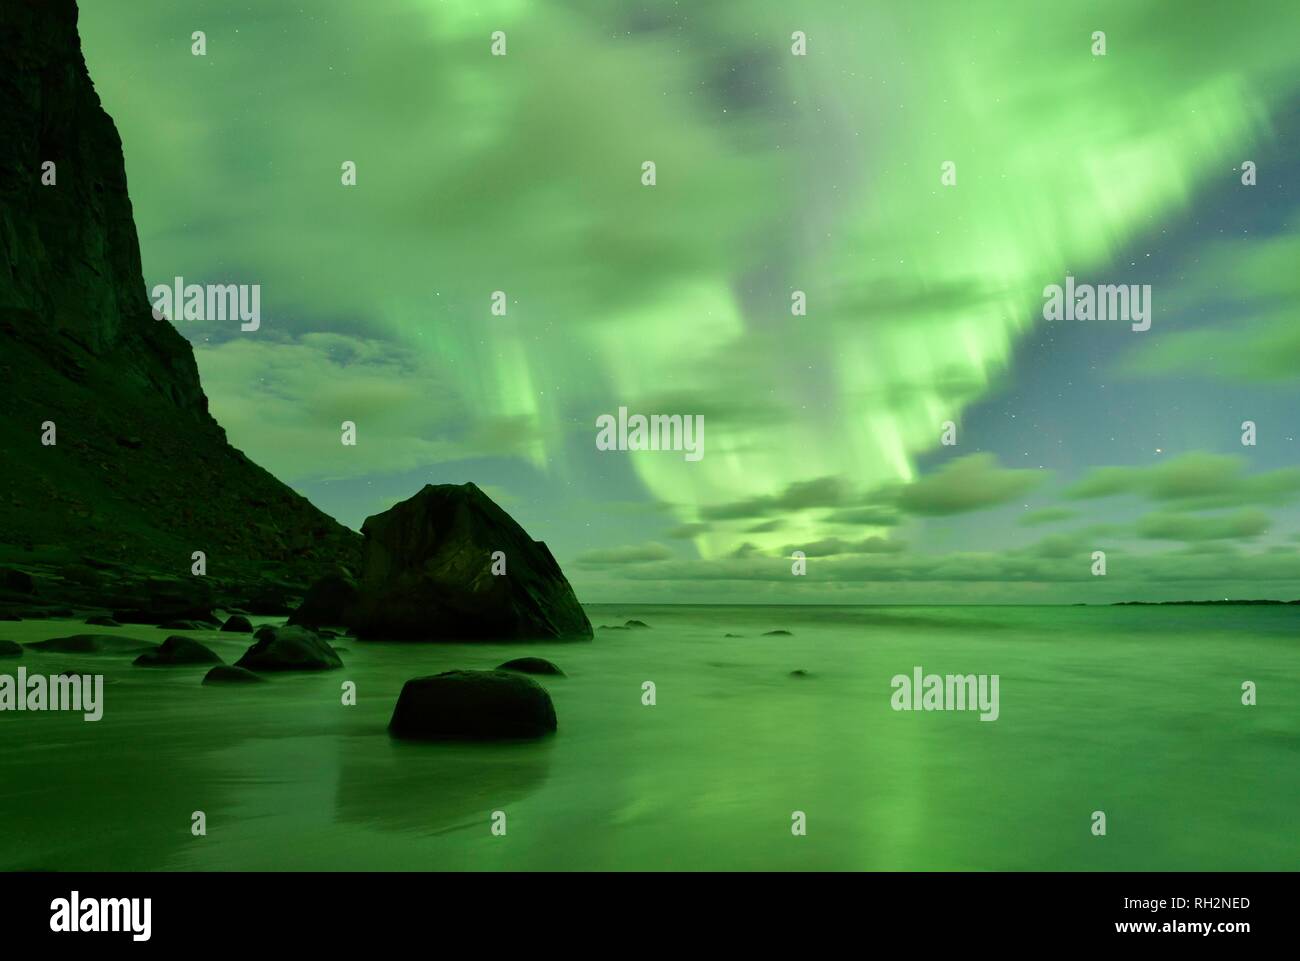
x,y
775,173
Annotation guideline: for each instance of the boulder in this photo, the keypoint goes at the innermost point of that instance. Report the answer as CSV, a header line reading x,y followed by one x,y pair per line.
x,y
237,624
472,705
328,601
228,674
10,649
531,665
288,649
17,581
272,600
178,650
165,601
93,644
427,574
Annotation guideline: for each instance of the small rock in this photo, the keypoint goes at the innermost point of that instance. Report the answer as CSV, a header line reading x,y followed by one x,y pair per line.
x,y
637,625
289,649
102,620
779,632
178,650
733,635
531,665
800,673
473,704
10,649
237,624
227,674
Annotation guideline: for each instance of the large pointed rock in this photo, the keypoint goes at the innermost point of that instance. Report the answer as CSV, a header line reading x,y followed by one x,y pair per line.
x,y
428,574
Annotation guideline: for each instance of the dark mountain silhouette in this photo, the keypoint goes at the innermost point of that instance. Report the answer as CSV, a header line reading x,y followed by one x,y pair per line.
x,y
140,475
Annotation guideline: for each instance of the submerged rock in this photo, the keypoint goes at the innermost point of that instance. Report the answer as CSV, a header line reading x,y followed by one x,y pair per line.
x,y
780,632
329,601
102,620
613,627
800,672
228,674
531,665
10,649
237,624
93,644
637,626
428,574
178,650
472,704
289,649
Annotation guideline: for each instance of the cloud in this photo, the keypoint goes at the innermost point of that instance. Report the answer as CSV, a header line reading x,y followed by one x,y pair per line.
x,y
1047,515
798,496
1194,527
630,554
1261,344
284,402
865,517
1069,571
1193,480
970,483
834,545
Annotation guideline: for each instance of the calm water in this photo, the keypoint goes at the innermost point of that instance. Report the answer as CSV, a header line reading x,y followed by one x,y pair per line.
x,y
1133,711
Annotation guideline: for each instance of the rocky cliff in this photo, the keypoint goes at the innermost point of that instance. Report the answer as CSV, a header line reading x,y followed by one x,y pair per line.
x,y
139,475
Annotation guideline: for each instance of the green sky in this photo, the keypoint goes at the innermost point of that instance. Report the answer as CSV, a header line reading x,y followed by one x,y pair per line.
x,y
775,173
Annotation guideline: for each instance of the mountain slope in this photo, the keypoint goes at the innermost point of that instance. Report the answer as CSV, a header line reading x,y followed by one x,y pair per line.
x,y
140,475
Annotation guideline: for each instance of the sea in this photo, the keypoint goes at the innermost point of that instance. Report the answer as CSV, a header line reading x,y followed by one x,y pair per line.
x,y
699,742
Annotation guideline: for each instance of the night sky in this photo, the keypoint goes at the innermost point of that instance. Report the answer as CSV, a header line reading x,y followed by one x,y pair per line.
x,y
775,172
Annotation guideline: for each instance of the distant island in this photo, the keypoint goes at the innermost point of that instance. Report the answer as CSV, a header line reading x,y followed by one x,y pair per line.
x,y
1225,601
